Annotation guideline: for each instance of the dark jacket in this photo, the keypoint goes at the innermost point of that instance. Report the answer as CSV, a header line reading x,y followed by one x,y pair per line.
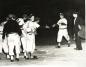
x,y
11,27
77,22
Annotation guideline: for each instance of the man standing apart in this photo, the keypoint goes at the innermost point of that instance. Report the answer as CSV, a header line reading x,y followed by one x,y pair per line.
x,y
62,30
77,28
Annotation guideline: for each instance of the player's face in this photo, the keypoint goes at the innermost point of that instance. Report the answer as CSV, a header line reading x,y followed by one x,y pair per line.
x,y
24,18
61,16
32,18
75,15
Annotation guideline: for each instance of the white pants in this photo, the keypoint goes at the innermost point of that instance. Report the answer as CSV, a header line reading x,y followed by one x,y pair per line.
x,y
28,43
3,45
0,43
14,41
61,33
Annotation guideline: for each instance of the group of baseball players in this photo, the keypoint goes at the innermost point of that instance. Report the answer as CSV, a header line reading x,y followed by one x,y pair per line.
x,y
17,32
21,31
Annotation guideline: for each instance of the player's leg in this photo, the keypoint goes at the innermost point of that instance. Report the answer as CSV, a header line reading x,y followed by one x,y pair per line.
x,y
11,47
29,46
5,48
67,37
78,42
59,38
0,50
24,44
0,46
17,46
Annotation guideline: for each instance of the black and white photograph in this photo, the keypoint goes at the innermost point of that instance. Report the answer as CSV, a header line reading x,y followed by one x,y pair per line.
x,y
42,33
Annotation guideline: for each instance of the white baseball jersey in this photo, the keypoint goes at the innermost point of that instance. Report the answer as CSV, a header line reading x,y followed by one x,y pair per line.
x,y
28,40
62,30
63,20
31,26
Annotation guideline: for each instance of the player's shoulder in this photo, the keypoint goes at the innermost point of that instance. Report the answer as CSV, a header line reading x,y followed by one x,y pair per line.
x,y
20,18
64,19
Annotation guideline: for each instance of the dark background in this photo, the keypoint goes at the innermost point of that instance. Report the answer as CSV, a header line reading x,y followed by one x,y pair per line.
x,y
46,10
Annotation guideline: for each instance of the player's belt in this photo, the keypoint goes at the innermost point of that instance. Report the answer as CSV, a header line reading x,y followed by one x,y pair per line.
x,y
29,33
62,28
12,33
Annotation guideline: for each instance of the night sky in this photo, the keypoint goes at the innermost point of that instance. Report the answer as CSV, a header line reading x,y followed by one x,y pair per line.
x,y
45,9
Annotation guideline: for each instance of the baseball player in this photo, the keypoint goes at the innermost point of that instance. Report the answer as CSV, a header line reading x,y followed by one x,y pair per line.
x,y
1,29
12,32
29,38
21,23
62,30
4,44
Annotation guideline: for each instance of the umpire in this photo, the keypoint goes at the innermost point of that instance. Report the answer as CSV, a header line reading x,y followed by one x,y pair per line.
x,y
77,28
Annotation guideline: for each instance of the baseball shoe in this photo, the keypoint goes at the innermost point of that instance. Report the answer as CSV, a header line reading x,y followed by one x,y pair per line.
x,y
17,59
